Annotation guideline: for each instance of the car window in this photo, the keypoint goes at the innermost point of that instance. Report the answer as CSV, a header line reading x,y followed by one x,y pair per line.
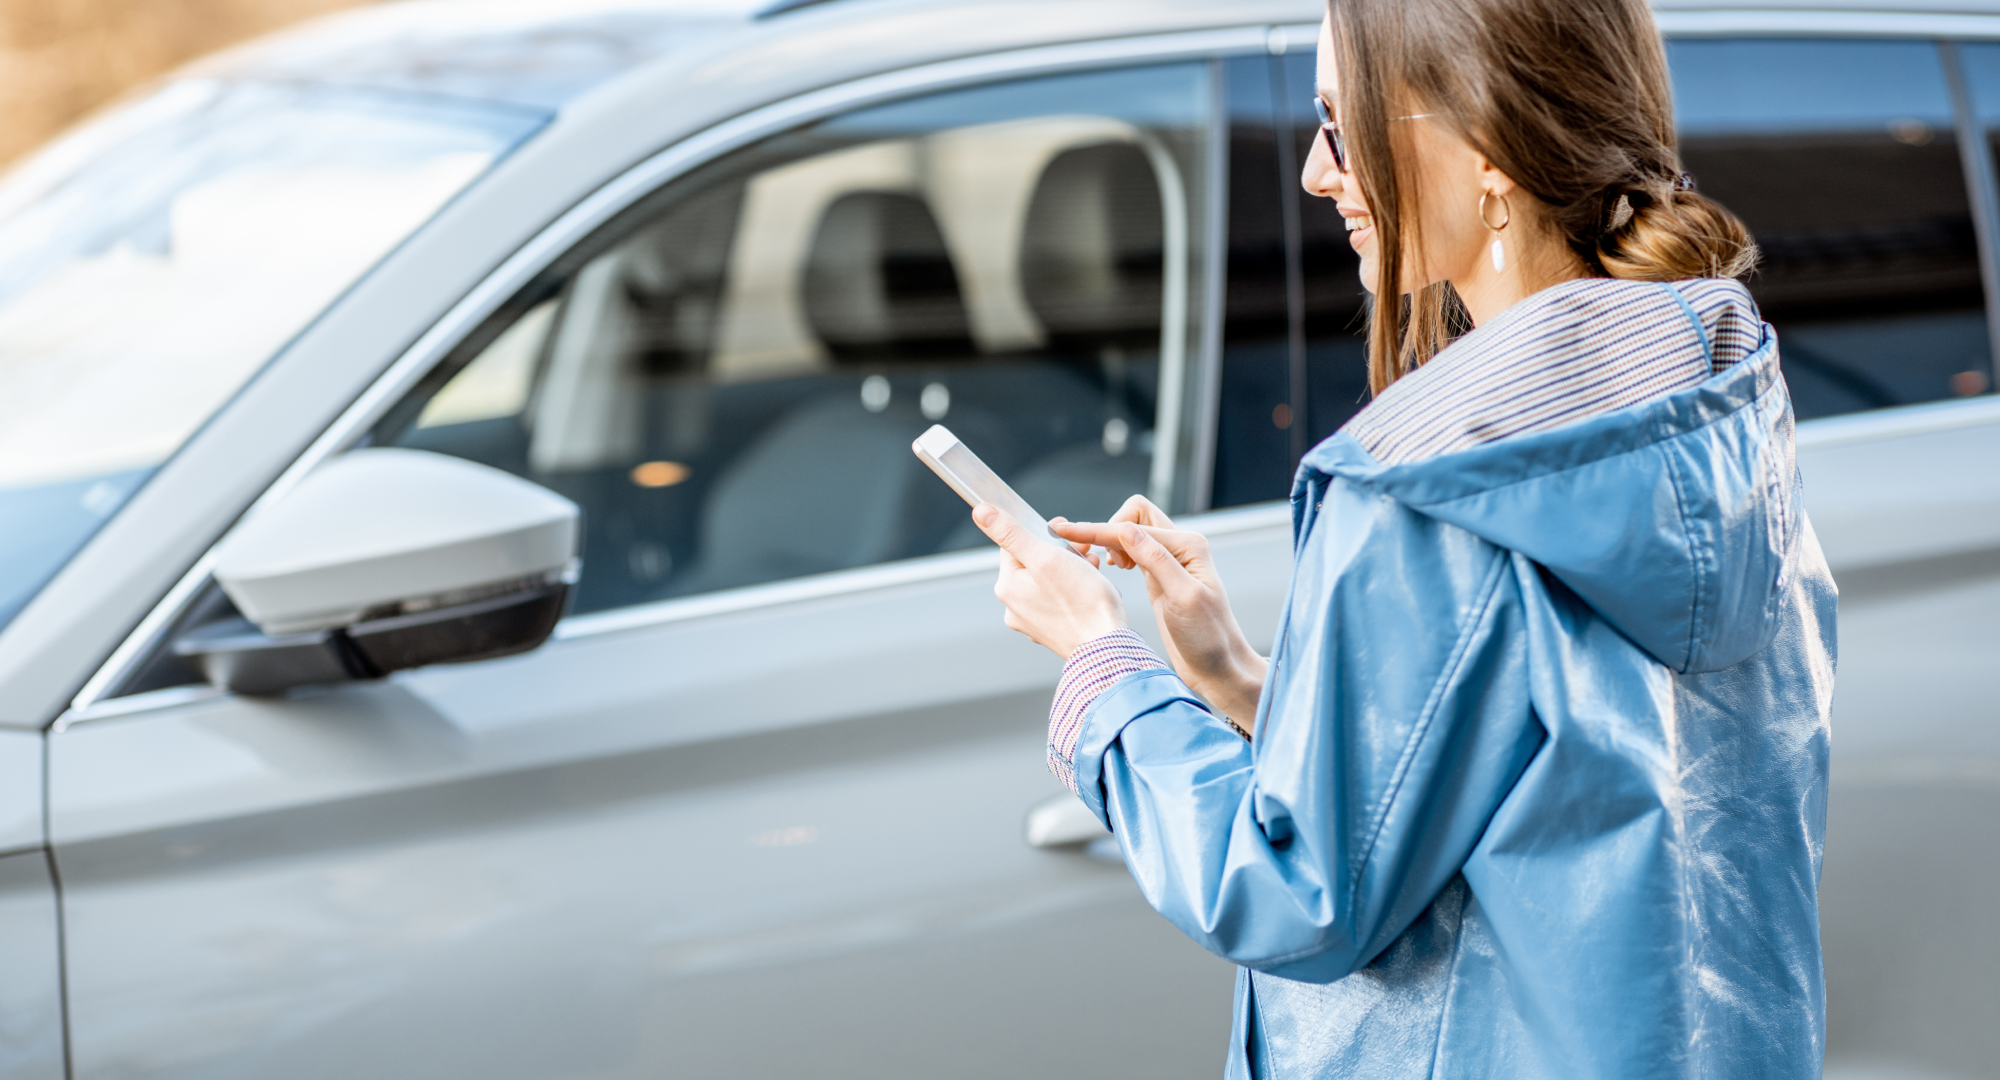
x,y
1293,360
152,262
1980,64
1254,418
729,379
1841,158
1839,155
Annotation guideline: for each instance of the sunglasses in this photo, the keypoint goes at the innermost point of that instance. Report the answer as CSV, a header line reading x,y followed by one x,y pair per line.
x,y
1329,127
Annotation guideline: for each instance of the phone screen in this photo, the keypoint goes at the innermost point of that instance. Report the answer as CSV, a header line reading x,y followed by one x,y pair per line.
x,y
958,466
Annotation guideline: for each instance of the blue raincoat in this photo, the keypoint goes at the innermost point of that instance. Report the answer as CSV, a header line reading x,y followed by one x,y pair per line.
x,y
1539,778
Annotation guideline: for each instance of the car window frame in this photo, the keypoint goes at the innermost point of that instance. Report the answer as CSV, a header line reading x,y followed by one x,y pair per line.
x,y
96,700
1977,168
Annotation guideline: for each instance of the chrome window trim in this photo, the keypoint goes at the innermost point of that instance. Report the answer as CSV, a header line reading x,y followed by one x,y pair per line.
x,y
1300,37
1759,22
111,708
613,197
775,593
928,568
1200,485
1880,24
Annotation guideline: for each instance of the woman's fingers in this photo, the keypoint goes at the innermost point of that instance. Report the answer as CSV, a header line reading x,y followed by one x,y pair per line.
x,y
1187,547
1086,533
1001,528
1139,510
1011,588
1164,565
1082,549
1056,600
1106,534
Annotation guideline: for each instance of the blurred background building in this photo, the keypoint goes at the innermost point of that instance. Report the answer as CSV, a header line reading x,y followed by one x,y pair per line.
x,y
60,59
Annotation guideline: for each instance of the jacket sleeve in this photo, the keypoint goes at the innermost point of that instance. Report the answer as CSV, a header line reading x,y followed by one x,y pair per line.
x,y
1394,721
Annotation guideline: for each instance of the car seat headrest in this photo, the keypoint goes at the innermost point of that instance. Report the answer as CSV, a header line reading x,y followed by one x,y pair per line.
x,y
879,282
1093,249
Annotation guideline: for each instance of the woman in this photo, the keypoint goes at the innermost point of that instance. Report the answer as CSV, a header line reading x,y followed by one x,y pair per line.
x,y
1538,775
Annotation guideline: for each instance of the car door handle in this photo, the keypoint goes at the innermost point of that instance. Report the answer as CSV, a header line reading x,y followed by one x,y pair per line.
x,y
1062,822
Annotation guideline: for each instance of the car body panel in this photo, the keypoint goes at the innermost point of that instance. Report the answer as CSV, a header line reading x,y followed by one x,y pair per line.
x,y
31,1019
1925,500
20,791
661,838
1910,522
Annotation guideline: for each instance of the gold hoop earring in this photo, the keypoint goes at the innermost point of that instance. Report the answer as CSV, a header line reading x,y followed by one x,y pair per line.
x,y
1498,250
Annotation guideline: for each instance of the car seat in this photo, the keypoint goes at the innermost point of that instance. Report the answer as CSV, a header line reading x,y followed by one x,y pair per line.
x,y
1093,251
1092,270
832,483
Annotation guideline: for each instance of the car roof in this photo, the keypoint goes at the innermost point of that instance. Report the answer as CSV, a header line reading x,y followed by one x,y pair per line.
x,y
545,53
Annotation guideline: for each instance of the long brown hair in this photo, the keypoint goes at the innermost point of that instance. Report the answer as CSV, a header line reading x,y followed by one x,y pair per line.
x,y
1569,98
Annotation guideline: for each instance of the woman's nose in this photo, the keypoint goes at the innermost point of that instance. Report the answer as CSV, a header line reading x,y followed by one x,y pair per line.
x,y
1320,177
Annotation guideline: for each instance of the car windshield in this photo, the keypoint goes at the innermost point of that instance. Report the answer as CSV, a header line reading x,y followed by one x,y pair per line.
x,y
153,261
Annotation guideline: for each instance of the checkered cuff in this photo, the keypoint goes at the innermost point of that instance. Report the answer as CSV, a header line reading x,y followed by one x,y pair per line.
x,y
1092,669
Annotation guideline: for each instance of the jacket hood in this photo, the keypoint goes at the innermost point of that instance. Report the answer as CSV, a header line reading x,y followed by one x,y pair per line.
x,y
1676,520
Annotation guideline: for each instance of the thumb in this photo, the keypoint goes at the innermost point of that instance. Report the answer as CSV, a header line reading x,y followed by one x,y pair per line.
x,y
1000,527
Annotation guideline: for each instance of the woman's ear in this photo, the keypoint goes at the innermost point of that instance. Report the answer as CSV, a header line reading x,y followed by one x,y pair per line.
x,y
1493,180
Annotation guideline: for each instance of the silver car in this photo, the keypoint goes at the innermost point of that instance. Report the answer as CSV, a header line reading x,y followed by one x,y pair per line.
x,y
769,798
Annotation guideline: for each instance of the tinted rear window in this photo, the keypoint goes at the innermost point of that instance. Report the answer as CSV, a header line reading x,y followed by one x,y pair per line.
x,y
1841,157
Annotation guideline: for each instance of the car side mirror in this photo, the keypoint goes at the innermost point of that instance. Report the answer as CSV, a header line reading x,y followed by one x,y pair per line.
x,y
383,560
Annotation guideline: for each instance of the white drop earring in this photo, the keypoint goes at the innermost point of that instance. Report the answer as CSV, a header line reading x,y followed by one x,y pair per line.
x,y
1498,250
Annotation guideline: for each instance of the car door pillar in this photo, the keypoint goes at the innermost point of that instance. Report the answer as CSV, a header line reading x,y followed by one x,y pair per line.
x,y
1977,158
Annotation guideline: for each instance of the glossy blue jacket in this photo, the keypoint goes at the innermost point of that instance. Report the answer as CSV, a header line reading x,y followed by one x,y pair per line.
x,y
1539,778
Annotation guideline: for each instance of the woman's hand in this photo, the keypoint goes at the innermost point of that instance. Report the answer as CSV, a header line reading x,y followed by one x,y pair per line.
x,y
1204,642
1058,600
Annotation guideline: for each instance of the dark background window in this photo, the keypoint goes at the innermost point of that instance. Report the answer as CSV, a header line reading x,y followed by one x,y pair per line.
x,y
1979,64
1255,421
1294,364
1841,158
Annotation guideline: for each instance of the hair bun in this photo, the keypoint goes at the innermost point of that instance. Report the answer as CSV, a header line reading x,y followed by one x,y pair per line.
x,y
1683,235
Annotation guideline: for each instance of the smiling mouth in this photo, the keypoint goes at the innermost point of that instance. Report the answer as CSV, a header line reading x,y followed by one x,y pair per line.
x,y
1360,230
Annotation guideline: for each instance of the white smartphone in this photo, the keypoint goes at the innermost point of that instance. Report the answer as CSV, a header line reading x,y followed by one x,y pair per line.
x,y
957,465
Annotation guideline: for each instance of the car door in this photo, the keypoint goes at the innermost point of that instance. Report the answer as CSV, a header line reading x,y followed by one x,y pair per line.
x,y
31,1046
758,808
1850,164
